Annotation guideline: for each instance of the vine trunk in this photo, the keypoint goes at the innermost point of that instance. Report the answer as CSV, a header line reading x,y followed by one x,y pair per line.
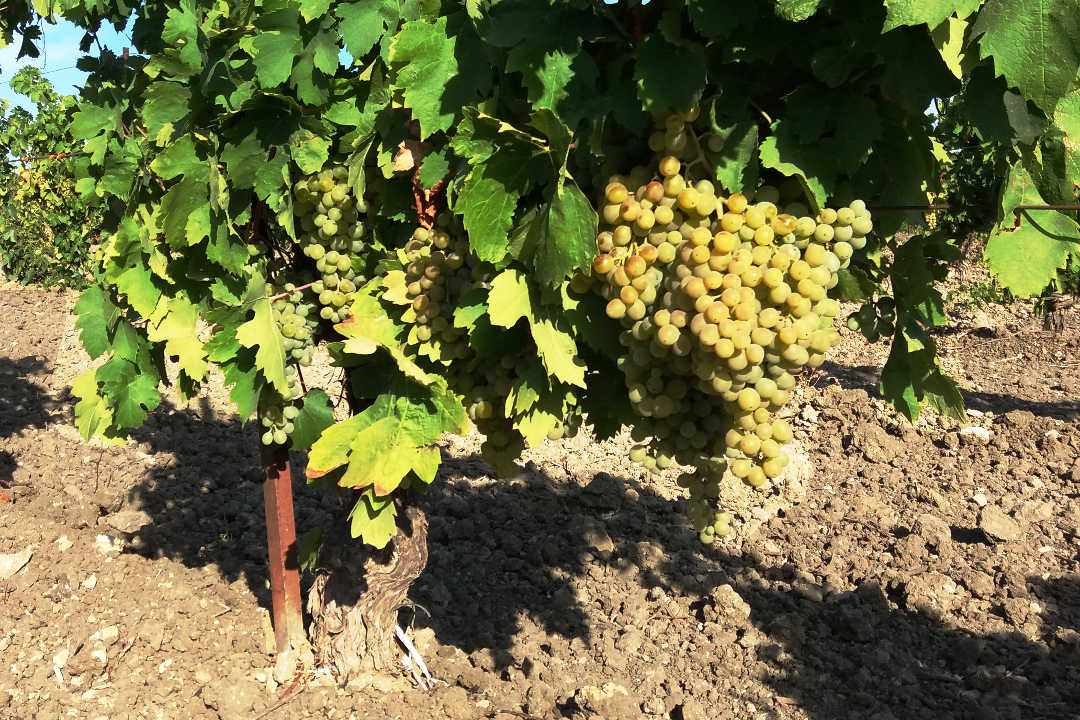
x,y
354,634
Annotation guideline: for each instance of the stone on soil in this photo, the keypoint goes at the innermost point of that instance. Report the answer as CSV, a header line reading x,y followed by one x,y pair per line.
x,y
996,525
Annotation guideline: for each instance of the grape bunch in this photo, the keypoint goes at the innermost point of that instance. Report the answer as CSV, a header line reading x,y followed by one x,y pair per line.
x,y
277,419
331,234
723,301
439,269
296,320
875,320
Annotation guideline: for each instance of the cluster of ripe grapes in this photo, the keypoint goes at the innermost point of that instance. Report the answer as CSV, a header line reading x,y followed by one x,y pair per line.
x,y
297,322
723,302
439,269
331,233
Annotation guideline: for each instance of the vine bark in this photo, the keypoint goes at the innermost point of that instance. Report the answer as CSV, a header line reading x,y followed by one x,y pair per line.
x,y
354,634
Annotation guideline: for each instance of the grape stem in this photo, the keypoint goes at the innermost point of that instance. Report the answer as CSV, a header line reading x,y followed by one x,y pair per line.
x,y
697,147
287,293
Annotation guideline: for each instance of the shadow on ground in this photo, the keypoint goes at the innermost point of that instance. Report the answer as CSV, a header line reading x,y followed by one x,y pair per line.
x,y
866,377
501,551
23,405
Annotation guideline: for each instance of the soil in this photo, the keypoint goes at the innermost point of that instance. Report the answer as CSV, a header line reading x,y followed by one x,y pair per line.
x,y
926,571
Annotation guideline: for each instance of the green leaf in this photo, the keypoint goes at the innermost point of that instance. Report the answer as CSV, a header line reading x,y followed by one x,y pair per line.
x,y
435,167
930,12
316,414
560,237
308,547
796,10
167,104
364,22
488,200
782,161
426,72
509,299
559,352
262,332
331,450
180,158
175,323
186,211
131,393
313,9
309,151
546,75
275,48
736,155
1035,44
375,527
1026,252
669,77
93,417
97,319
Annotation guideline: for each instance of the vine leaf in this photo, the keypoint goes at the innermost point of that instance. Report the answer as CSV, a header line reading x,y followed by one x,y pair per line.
x,y
262,332
364,22
374,524
1026,254
93,417
659,87
931,12
1035,44
175,323
97,320
489,198
509,301
316,414
427,73
561,237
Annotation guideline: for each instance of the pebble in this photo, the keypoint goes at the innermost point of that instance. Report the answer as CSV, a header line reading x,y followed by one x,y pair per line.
x,y
63,543
979,499
934,531
975,432
996,525
90,583
11,563
128,521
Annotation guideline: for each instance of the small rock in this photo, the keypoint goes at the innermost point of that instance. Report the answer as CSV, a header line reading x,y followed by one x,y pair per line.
x,y
728,605
931,593
109,635
63,543
1017,609
11,563
979,584
107,544
630,641
979,499
934,531
692,709
285,667
996,525
1036,511
128,521
90,583
593,533
609,701
974,433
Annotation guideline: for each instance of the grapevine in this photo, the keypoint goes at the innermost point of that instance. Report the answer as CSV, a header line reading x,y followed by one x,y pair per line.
x,y
528,218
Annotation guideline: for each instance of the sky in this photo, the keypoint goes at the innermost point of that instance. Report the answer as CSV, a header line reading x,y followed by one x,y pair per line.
x,y
59,51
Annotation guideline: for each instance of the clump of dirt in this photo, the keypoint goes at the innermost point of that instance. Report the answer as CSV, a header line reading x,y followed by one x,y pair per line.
x,y
915,571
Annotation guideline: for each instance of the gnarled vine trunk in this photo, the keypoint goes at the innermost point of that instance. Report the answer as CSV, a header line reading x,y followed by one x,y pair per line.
x,y
355,601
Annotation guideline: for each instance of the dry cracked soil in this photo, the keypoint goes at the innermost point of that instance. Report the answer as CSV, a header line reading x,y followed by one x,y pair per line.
x,y
910,571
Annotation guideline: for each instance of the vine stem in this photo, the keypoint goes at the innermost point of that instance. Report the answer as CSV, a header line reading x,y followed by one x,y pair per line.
x,y
287,293
697,146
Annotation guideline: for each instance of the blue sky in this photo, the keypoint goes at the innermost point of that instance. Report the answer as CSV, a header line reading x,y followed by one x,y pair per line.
x,y
59,51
